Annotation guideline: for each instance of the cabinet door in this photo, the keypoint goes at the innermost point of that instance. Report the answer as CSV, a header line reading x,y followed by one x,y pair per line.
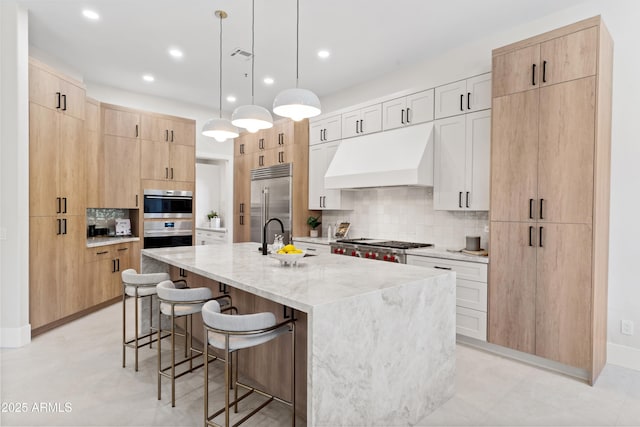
x,y
182,132
566,153
316,132
44,270
122,172
98,274
333,128
515,71
94,170
450,100
317,170
44,88
479,92
72,166
44,151
563,295
514,157
283,154
393,113
72,101
371,119
122,255
72,249
183,162
241,194
420,107
512,286
154,160
332,198
120,123
478,158
449,164
351,124
570,57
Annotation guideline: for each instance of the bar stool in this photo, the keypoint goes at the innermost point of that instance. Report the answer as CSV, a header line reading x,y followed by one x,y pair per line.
x,y
138,286
175,303
235,332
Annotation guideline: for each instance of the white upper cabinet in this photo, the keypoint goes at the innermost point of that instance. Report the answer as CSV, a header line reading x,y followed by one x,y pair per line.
x,y
461,162
362,121
408,110
320,156
464,96
325,130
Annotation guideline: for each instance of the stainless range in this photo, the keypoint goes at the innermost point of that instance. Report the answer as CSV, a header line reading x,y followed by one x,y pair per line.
x,y
382,250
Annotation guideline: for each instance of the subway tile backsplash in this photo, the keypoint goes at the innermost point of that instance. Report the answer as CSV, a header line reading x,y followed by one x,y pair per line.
x,y
406,213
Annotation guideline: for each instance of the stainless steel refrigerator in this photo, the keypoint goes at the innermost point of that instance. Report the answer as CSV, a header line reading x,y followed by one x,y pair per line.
x,y
271,198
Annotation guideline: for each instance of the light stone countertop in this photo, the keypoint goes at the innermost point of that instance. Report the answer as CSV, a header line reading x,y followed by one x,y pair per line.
x,y
316,280
94,242
316,240
440,252
217,230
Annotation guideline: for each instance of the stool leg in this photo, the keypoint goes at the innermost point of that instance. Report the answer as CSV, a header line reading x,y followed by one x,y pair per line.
x,y
124,326
227,368
205,343
293,375
191,344
173,357
136,329
150,321
233,382
186,333
159,352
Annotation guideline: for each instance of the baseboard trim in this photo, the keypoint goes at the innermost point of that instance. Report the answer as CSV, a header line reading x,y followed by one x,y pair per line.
x,y
49,326
622,355
15,337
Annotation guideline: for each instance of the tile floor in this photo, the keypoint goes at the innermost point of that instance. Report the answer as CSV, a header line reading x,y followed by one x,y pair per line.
x,y
79,364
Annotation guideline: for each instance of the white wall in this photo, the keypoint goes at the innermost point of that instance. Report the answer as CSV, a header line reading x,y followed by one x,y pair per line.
x,y
15,330
209,186
621,18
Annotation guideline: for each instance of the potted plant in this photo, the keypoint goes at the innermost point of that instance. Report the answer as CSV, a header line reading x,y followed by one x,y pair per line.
x,y
214,219
313,223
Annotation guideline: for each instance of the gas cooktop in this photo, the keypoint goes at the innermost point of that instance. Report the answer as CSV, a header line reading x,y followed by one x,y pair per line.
x,y
392,244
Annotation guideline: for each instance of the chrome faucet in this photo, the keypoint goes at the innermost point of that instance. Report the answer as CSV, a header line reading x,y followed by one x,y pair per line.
x,y
264,233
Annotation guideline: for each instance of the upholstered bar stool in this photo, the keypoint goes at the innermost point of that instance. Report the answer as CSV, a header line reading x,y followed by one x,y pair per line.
x,y
235,332
138,286
177,303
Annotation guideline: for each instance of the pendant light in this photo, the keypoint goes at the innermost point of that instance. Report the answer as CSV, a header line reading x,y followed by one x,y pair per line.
x,y
252,117
220,129
297,104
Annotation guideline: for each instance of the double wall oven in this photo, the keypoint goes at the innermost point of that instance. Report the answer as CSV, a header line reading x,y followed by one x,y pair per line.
x,y
168,218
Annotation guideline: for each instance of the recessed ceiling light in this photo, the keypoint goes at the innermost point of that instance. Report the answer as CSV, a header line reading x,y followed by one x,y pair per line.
x,y
90,14
148,78
176,53
268,81
231,98
323,53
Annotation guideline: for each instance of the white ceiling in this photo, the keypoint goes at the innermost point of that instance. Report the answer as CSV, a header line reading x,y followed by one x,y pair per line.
x,y
366,38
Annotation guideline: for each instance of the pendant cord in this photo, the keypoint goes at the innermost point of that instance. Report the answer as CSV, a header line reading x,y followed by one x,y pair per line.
x,y
253,54
220,88
297,39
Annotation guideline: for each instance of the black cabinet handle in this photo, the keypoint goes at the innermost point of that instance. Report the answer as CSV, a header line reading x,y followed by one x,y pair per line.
x,y
467,199
361,124
241,148
64,102
357,123
113,265
321,134
461,100
544,71
408,110
137,132
241,219
171,135
530,235
241,207
64,223
58,99
136,200
441,268
530,208
122,249
460,199
166,135
541,209
102,252
533,74
166,173
325,134
468,100
118,263
171,173
64,210
540,239
59,227
59,205
402,116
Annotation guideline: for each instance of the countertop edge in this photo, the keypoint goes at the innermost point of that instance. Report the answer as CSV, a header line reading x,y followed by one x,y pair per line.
x,y
106,241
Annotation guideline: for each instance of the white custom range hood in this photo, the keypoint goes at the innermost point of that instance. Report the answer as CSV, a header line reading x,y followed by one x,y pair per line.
x,y
398,157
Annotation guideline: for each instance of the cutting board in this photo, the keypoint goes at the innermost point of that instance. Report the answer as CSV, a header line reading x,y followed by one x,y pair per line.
x,y
481,252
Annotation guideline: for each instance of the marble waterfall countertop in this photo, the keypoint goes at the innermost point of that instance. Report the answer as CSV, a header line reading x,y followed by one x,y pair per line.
x,y
380,336
94,242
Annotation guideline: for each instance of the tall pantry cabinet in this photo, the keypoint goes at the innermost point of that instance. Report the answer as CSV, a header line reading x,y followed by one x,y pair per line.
x,y
550,156
57,205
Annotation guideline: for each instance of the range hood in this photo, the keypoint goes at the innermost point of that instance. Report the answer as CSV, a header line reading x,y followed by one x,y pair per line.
x,y
398,157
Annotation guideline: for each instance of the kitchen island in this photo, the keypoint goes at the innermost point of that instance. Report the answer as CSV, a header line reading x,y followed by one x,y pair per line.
x,y
380,336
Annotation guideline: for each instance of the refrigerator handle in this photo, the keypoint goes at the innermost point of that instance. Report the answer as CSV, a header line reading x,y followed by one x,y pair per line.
x,y
266,204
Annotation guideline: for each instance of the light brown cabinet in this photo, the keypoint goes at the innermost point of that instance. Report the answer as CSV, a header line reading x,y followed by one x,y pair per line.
x,y
241,196
550,196
166,161
122,172
120,121
54,91
160,128
103,268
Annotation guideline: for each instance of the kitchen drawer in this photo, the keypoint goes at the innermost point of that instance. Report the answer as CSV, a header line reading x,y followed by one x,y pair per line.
x,y
210,237
471,323
464,270
471,294
312,248
98,253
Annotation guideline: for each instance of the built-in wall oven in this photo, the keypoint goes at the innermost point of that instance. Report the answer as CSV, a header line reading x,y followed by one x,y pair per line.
x,y
168,218
168,204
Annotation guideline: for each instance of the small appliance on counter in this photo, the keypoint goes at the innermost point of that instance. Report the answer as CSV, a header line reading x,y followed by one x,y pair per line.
x,y
123,227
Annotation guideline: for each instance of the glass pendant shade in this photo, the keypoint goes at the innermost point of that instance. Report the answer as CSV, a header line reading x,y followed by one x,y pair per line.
x,y
296,104
252,117
220,129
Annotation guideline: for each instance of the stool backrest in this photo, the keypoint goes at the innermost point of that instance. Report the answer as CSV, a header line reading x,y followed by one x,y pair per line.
x,y
131,277
213,318
167,291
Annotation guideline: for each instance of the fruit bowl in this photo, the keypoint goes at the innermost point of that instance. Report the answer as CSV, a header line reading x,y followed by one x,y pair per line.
x,y
288,258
